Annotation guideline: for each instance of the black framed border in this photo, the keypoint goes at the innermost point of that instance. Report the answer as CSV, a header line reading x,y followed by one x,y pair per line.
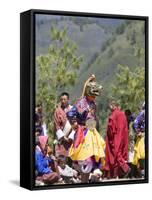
x,y
27,98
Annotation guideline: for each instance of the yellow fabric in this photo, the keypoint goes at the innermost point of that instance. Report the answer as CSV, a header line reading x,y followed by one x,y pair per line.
x,y
93,145
139,150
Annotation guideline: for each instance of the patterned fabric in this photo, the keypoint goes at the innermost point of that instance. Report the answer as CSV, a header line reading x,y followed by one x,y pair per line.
x,y
83,109
92,145
59,118
139,123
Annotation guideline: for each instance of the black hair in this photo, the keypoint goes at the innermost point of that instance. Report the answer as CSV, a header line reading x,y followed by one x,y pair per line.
x,y
39,104
37,129
61,158
128,112
113,101
64,93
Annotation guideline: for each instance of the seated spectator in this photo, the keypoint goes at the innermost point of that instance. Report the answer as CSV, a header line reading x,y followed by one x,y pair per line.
x,y
68,174
42,163
95,176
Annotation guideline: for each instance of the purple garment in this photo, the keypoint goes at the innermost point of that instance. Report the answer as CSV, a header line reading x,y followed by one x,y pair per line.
x,y
139,123
84,106
85,131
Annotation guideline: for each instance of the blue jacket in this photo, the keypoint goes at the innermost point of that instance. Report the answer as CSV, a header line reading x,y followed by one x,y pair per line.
x,y
41,163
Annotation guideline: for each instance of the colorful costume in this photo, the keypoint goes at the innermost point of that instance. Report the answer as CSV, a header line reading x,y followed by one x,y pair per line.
x,y
88,145
139,148
91,145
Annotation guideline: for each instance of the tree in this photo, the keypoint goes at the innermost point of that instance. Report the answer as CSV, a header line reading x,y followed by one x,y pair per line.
x,y
129,89
55,71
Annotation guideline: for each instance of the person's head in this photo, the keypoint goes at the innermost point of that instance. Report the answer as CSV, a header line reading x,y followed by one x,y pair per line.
x,y
64,99
129,115
143,106
74,124
128,112
43,142
112,104
39,108
37,131
61,161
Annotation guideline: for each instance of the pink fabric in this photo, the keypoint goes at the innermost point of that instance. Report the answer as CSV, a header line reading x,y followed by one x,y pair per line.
x,y
59,118
43,140
79,136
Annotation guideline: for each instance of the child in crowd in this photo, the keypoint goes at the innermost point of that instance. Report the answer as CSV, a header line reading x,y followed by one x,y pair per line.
x,y
68,174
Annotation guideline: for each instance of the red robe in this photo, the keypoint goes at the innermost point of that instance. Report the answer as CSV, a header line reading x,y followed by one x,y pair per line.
x,y
79,136
117,142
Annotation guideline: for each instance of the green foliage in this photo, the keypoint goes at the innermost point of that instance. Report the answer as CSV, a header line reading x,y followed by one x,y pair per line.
x,y
129,89
56,70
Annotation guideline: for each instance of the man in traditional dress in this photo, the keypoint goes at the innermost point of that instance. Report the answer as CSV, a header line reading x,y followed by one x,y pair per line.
x,y
116,143
62,125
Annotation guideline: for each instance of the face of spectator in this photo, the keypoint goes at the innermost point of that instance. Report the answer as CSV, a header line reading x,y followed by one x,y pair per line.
x,y
37,133
64,101
38,109
112,106
62,164
74,124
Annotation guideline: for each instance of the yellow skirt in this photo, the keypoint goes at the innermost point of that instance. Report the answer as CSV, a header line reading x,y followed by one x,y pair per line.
x,y
93,145
139,150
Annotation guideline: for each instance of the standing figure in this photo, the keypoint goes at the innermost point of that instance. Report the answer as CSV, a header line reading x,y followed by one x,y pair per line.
x,y
88,146
62,125
116,143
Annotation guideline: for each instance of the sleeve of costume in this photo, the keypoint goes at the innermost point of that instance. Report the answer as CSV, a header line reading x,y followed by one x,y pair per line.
x,y
82,109
71,135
